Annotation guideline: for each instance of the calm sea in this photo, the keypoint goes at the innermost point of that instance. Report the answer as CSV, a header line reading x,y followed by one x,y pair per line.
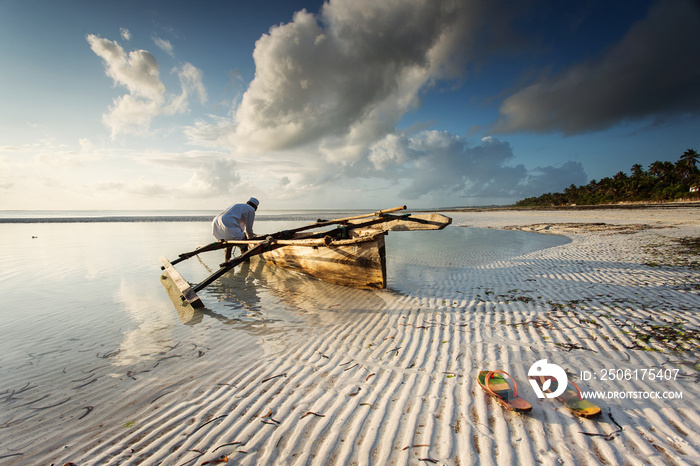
x,y
62,270
91,277
103,216
86,252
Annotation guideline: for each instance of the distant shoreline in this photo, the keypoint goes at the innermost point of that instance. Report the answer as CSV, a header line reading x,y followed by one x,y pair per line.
x,y
626,205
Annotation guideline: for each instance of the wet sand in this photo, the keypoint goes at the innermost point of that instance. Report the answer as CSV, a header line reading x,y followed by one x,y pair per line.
x,y
342,376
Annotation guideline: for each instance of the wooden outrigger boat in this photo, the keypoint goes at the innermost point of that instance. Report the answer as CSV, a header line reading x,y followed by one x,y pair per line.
x,y
358,261
351,254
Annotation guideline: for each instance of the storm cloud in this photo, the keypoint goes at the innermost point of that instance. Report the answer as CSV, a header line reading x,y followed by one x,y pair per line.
x,y
347,76
652,72
342,79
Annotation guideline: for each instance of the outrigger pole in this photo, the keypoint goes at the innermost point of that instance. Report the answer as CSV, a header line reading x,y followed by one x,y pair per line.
x,y
183,294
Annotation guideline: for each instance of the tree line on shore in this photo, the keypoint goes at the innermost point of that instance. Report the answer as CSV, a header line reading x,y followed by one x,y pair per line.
x,y
663,181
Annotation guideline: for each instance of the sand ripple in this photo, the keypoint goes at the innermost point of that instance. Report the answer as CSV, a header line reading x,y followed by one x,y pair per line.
x,y
390,377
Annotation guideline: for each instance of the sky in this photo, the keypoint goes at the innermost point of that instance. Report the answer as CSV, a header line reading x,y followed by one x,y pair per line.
x,y
340,104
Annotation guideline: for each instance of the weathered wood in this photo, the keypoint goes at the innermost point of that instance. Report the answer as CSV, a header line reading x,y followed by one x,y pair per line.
x,y
378,213
179,291
313,242
358,262
383,221
199,250
228,265
324,223
408,222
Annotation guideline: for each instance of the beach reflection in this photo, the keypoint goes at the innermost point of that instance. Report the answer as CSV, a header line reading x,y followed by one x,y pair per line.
x,y
154,327
261,299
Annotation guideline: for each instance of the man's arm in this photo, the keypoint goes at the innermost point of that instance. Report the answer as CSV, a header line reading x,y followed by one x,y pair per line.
x,y
249,220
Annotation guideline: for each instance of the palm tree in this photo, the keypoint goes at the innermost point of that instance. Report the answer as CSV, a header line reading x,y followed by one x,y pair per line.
x,y
656,169
608,188
637,171
668,170
571,194
619,186
690,158
683,171
686,165
663,181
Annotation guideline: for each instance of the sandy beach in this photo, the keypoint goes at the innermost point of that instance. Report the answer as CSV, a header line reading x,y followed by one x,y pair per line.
x,y
343,376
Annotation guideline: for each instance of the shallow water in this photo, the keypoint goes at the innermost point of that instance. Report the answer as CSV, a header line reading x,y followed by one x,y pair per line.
x,y
419,259
76,285
86,324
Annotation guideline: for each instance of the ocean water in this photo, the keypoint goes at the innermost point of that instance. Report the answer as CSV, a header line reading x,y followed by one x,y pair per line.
x,y
85,319
95,283
104,216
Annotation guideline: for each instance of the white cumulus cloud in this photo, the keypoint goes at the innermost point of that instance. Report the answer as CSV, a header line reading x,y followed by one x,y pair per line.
x,y
342,79
139,73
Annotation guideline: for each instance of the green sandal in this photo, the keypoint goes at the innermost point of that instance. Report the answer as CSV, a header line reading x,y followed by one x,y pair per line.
x,y
497,387
573,399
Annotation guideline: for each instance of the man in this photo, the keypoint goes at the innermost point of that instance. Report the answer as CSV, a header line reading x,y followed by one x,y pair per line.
x,y
236,223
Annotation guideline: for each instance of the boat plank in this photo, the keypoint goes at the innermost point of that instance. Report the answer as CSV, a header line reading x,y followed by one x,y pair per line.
x,y
179,291
360,263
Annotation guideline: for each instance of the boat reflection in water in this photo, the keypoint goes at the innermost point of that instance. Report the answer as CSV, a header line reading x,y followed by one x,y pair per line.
x,y
261,299
351,254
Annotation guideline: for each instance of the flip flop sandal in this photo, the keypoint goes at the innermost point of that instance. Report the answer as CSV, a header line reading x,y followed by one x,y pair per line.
x,y
572,399
497,386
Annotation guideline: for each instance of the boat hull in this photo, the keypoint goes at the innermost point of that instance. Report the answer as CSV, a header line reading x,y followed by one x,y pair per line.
x,y
359,262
